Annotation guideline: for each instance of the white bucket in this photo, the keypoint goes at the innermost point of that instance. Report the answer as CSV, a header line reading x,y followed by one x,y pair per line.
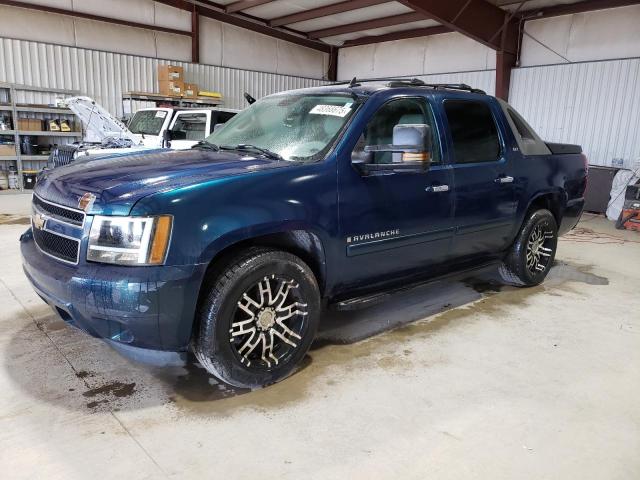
x,y
13,180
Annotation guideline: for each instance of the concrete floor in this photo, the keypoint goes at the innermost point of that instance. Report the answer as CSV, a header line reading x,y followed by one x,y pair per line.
x,y
459,379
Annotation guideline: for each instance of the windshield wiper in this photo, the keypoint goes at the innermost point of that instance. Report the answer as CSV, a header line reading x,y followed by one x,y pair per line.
x,y
252,148
204,145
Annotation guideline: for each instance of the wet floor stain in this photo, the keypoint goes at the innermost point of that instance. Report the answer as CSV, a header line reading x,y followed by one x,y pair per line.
x,y
196,385
6,219
575,273
356,341
484,285
97,403
117,389
194,392
55,325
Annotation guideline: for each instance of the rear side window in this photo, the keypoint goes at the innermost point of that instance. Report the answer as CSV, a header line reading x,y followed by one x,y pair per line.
x,y
224,117
473,131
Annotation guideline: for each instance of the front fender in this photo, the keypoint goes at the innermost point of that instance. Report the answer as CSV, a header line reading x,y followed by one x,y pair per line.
x,y
240,235
207,218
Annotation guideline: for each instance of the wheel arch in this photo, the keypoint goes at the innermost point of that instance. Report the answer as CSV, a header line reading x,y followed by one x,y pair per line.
x,y
298,240
553,200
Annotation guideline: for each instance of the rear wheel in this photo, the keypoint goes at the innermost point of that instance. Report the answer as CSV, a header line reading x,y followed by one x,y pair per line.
x,y
531,256
258,319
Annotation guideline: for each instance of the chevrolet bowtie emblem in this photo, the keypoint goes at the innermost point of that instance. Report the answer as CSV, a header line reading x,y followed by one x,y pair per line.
x,y
38,221
86,201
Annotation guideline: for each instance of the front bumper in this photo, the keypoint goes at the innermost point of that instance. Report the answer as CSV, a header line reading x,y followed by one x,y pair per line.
x,y
148,307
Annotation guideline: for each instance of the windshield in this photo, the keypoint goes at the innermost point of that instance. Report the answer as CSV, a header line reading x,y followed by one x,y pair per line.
x,y
296,127
147,122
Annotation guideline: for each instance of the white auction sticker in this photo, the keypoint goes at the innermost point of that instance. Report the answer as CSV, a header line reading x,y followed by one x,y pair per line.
x,y
335,110
161,114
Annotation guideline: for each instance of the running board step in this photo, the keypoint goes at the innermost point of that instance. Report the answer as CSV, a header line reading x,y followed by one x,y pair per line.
x,y
365,301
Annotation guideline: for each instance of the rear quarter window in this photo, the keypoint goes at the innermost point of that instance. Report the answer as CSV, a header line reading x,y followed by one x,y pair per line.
x,y
521,127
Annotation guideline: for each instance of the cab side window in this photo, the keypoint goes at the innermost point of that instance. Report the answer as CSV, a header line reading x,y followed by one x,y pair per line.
x,y
404,111
473,131
193,125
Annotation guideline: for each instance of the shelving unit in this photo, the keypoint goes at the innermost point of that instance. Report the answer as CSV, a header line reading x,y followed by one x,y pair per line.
x,y
13,107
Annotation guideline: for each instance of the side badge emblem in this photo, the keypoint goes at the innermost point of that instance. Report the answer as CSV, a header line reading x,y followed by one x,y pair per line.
x,y
86,201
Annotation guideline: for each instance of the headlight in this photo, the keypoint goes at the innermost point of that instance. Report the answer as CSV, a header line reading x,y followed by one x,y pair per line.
x,y
129,240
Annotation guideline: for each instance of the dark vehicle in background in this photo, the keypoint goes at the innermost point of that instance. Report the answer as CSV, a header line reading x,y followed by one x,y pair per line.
x,y
315,197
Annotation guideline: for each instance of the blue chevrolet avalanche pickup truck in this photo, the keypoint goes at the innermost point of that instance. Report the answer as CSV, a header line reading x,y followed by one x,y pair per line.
x,y
312,197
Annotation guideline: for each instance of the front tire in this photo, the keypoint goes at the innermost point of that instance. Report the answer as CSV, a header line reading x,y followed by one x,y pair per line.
x,y
531,256
258,319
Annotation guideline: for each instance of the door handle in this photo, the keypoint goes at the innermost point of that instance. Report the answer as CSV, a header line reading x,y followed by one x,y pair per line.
x,y
504,180
437,188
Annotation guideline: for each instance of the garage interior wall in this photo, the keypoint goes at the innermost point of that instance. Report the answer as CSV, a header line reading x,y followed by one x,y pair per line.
x,y
445,58
221,44
106,76
578,82
574,68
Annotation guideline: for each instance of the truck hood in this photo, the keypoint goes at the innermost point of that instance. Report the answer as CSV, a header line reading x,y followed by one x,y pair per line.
x,y
119,182
97,123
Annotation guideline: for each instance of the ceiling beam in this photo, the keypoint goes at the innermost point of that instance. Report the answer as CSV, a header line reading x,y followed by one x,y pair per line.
x,y
244,5
367,25
323,11
215,12
477,19
401,35
97,18
582,7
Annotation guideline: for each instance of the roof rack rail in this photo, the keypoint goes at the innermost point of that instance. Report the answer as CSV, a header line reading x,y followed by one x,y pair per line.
x,y
410,82
456,86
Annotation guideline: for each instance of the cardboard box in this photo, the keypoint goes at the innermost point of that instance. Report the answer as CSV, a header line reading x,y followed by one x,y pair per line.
x,y
171,87
190,90
30,124
169,72
7,149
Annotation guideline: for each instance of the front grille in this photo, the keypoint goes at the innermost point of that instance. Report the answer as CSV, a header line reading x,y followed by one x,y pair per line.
x,y
63,155
60,247
58,212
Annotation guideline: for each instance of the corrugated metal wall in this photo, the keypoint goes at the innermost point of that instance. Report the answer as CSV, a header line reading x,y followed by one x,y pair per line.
x,y
105,76
594,104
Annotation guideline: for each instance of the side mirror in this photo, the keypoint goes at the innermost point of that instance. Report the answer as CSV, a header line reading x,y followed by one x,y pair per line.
x,y
166,139
218,126
411,150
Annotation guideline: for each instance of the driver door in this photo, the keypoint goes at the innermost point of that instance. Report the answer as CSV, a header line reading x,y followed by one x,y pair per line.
x,y
394,223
